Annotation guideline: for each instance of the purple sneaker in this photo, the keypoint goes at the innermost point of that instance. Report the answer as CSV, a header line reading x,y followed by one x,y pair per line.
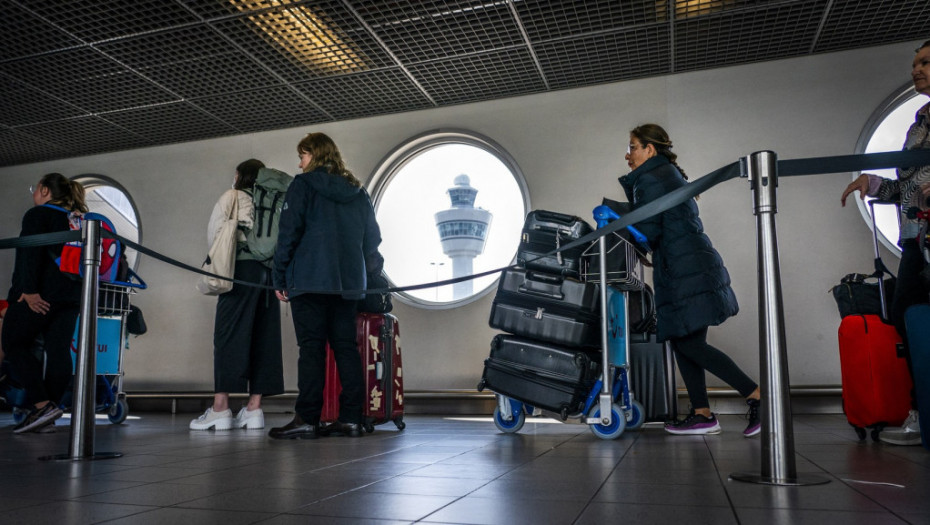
x,y
695,424
755,424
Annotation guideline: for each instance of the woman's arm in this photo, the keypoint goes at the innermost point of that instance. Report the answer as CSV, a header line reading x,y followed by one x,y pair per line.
x,y
290,230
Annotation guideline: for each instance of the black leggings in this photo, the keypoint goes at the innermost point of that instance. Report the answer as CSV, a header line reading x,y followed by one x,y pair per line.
x,y
21,327
694,356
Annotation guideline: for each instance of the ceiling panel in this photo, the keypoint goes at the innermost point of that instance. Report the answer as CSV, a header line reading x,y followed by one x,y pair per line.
x,y
117,74
605,57
784,29
364,94
855,23
419,31
169,123
263,109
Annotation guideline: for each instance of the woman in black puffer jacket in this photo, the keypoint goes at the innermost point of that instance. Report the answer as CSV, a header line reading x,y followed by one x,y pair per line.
x,y
692,286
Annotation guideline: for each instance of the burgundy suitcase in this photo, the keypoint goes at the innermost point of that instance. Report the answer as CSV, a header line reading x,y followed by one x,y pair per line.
x,y
876,383
378,340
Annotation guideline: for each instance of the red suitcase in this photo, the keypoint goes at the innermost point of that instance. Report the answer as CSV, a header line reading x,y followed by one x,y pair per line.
x,y
876,383
378,340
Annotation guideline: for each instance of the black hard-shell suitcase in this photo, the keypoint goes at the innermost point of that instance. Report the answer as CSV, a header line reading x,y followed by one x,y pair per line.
x,y
547,307
543,375
647,377
544,231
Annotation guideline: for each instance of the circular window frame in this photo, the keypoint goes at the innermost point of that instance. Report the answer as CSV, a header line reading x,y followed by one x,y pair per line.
x,y
900,96
93,180
392,163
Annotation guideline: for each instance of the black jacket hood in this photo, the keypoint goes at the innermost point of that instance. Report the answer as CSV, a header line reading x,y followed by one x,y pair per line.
x,y
333,187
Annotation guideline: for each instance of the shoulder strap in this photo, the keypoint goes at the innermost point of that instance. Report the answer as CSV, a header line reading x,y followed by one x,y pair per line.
x,y
54,207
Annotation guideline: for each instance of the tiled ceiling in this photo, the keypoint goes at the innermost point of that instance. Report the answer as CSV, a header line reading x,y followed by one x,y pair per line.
x,y
80,77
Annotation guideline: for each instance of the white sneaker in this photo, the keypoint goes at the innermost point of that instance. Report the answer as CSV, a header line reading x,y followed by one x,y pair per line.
x,y
907,434
250,419
215,420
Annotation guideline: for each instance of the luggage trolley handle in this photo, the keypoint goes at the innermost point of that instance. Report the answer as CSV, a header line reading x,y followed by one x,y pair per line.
x,y
880,268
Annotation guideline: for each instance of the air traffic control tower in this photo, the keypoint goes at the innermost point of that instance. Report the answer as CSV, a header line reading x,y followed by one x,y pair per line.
x,y
463,230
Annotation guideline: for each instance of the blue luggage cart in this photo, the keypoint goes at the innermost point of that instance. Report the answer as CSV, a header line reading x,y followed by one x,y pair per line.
x,y
609,408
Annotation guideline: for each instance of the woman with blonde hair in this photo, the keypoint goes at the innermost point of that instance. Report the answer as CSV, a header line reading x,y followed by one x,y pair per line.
x,y
327,242
43,301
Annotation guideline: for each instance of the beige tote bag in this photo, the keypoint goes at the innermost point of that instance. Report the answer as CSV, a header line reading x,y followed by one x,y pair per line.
x,y
221,260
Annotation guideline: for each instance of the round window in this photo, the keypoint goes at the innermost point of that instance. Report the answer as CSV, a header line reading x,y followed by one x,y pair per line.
x,y
886,131
110,199
450,204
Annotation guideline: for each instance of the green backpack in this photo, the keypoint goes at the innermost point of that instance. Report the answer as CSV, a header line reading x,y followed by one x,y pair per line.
x,y
267,201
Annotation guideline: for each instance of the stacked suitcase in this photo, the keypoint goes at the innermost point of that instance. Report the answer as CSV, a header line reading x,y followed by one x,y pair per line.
x,y
549,357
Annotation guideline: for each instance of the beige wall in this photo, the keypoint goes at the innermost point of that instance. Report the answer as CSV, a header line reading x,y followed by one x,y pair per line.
x,y
569,145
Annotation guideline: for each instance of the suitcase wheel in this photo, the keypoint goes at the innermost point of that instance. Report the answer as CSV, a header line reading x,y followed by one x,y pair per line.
x,y
875,433
369,427
399,421
860,432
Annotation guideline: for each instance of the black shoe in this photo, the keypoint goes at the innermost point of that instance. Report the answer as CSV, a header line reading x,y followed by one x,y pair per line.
x,y
338,427
39,418
296,429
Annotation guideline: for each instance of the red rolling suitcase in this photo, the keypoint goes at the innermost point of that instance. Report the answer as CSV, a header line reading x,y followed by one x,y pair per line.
x,y
378,340
876,383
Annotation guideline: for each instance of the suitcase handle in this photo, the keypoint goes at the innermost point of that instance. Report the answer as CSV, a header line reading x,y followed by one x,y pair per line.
x,y
555,217
543,285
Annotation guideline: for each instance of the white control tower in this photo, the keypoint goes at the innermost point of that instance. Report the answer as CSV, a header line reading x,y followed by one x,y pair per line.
x,y
463,230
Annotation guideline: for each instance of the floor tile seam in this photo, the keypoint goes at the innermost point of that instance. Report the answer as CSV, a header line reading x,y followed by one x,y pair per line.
x,y
151,509
855,487
600,487
720,481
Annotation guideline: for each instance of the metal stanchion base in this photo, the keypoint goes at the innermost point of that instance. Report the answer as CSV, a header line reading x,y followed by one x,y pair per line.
x,y
759,479
69,457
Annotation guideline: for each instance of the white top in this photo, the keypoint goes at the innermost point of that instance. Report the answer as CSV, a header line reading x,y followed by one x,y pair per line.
x,y
221,212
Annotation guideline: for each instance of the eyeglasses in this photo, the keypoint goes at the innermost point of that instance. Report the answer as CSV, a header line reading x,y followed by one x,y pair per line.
x,y
631,147
32,189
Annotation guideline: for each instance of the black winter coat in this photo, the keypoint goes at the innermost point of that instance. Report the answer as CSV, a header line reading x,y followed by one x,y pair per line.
x,y
692,286
35,269
328,237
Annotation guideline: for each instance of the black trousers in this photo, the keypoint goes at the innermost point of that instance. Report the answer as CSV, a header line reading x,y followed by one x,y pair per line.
x,y
908,291
247,336
694,356
318,319
21,327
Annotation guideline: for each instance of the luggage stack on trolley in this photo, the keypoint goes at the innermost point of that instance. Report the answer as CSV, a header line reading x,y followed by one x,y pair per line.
x,y
113,310
566,350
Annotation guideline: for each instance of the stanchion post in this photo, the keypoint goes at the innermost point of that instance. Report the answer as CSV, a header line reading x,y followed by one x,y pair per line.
x,y
83,419
778,458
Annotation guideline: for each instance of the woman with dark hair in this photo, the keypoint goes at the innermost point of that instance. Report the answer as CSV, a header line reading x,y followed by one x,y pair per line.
x,y
328,241
912,189
247,327
43,301
692,286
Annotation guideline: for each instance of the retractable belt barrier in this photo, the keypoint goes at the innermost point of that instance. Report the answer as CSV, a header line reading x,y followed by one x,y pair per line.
x,y
786,168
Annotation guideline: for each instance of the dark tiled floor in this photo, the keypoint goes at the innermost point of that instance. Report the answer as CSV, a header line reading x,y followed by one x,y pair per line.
x,y
458,470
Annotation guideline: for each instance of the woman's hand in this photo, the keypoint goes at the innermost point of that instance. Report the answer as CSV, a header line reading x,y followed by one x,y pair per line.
x,y
36,303
282,295
861,184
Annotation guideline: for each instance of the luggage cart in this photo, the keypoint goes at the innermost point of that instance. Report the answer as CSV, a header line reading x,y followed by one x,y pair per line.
x,y
609,408
112,338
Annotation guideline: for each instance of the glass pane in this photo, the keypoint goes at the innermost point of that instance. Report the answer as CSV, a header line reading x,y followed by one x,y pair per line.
x,y
113,203
449,210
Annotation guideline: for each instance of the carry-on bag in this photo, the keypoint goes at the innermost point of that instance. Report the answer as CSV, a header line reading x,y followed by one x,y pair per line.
x,y
543,375
876,382
378,340
917,320
547,307
545,231
647,378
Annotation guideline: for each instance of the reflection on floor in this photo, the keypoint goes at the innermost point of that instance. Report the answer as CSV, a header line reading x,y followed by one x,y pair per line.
x,y
461,470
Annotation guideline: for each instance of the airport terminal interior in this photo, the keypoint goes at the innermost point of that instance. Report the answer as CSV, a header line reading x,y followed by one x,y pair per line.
x,y
151,105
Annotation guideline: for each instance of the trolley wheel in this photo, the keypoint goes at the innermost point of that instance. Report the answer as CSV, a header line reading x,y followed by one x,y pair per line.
x,y
19,415
617,422
512,426
119,411
636,415
399,421
860,432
